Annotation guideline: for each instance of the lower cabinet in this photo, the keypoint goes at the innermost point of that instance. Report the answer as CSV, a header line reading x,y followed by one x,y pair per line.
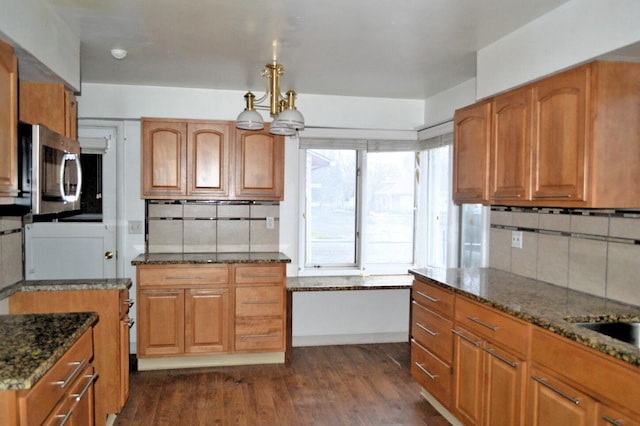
x,y
210,309
110,336
63,395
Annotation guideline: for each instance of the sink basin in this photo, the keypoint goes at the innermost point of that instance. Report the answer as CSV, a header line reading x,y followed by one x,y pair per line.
x,y
628,332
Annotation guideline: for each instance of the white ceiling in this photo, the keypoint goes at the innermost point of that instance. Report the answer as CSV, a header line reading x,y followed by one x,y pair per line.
x,y
385,48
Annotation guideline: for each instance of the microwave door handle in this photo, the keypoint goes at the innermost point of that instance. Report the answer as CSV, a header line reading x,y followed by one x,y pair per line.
x,y
66,197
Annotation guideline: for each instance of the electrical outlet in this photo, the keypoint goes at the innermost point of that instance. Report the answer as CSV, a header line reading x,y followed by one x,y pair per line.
x,y
270,223
516,239
135,227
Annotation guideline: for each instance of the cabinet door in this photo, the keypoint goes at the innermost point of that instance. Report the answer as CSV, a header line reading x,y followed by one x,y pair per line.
x,y
71,115
206,320
559,136
259,164
208,159
504,388
8,121
552,402
471,153
468,375
511,146
608,416
164,152
160,322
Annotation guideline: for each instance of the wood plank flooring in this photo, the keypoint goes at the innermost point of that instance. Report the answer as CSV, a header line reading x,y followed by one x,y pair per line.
x,y
324,385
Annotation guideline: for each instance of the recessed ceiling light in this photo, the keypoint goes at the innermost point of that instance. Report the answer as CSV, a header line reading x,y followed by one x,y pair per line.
x,y
119,53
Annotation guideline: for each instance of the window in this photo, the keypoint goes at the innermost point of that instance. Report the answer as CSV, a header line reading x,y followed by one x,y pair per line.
x,y
366,209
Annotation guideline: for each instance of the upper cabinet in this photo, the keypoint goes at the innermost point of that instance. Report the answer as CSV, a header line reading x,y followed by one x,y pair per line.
x,y
472,126
8,122
259,165
50,104
206,160
570,140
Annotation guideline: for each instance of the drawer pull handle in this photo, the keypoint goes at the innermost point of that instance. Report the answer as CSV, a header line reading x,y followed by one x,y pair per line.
x,y
65,417
130,322
473,342
185,277
484,324
425,371
466,196
260,275
128,302
505,196
261,302
254,336
612,421
556,390
553,196
426,296
500,357
207,292
65,382
78,396
433,333
162,293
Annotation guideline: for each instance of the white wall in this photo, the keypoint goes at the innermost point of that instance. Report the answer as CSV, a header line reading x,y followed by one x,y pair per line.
x,y
575,32
440,108
342,316
38,33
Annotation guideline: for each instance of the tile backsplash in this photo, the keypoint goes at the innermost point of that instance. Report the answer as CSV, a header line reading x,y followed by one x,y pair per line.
x,y
11,267
196,227
594,251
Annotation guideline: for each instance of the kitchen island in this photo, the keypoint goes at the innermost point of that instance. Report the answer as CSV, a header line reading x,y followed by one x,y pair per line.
x,y
36,350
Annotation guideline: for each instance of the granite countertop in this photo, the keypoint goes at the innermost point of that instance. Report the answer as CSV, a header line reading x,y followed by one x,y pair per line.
x,y
33,343
209,258
374,282
66,284
554,308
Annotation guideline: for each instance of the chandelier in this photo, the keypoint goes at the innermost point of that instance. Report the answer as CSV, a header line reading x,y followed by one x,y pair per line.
x,y
286,118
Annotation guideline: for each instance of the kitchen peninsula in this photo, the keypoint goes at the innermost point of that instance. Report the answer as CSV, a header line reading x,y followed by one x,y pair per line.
x,y
204,309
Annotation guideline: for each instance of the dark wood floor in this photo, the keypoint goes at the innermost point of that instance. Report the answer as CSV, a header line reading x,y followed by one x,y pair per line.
x,y
324,385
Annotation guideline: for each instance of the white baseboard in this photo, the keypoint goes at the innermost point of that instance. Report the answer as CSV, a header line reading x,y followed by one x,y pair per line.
x,y
350,339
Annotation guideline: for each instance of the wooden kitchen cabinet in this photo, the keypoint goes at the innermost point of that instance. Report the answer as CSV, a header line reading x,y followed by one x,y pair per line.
x,y
204,160
431,339
50,104
569,140
110,336
259,165
8,122
510,150
562,384
66,390
489,367
183,309
472,133
259,307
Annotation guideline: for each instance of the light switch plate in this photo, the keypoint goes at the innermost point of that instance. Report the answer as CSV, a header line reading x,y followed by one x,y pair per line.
x,y
270,223
516,239
135,227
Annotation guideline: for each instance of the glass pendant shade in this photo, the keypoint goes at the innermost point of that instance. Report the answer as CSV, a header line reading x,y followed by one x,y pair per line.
x,y
250,120
290,118
279,128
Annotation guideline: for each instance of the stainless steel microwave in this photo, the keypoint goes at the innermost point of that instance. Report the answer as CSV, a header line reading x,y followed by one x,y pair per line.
x,y
53,167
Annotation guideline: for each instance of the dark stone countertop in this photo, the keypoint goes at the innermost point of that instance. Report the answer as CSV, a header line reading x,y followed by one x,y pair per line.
x,y
209,258
33,343
373,282
66,285
554,308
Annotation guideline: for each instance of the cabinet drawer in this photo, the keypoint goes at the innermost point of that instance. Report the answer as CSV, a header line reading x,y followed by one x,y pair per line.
x,y
260,274
433,297
494,325
259,301
432,331
72,402
182,275
596,372
46,393
433,374
259,335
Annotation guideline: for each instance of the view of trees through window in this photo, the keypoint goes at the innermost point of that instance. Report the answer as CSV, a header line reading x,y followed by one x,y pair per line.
x,y
336,215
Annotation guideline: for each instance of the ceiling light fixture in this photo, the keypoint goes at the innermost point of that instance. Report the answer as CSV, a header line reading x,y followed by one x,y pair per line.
x,y
287,119
118,53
